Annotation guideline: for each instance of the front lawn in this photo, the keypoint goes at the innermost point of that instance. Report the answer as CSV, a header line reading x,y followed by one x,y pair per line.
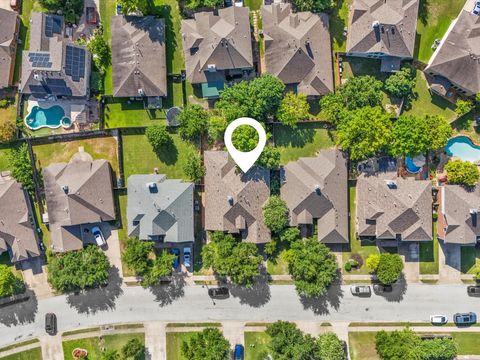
x,y
434,18
362,346
428,261
278,266
94,345
174,343
256,345
470,258
305,140
468,343
32,354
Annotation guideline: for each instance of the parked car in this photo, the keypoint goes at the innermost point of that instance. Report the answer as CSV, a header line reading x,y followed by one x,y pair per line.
x,y
239,3
51,323
473,290
187,257
465,318
360,290
98,236
227,3
438,319
91,16
381,288
176,261
238,352
119,9
218,293
476,9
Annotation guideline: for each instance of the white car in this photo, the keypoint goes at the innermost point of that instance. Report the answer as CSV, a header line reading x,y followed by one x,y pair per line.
x,y
438,319
239,3
476,9
98,236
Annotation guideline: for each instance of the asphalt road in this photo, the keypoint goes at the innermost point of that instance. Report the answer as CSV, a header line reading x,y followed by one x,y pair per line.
x,y
191,303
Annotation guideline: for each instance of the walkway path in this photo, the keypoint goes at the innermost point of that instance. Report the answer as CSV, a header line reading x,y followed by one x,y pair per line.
x,y
19,349
52,348
155,340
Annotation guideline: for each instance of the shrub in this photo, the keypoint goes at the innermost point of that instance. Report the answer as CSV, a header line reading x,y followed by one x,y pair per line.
x,y
4,103
372,262
347,266
462,172
158,137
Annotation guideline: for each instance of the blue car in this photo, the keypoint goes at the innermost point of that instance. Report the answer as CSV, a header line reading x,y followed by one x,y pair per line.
x,y
176,261
238,352
465,318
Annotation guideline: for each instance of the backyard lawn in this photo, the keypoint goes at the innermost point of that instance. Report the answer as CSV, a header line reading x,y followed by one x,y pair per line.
x,y
139,157
5,151
8,114
256,345
434,18
174,343
470,258
254,4
465,125
339,21
305,140
32,354
95,344
429,254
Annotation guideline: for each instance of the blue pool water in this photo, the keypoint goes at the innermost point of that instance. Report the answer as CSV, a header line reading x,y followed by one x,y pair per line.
x,y
53,117
411,167
463,148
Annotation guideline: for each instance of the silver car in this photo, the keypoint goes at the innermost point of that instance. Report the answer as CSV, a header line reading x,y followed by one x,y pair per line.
x,y
360,290
438,319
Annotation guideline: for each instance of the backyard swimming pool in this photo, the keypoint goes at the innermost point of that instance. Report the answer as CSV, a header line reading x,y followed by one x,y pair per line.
x,y
52,117
463,148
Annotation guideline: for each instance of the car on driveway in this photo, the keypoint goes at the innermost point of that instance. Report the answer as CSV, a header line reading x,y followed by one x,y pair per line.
x,y
176,261
381,288
218,293
438,319
465,318
473,290
51,323
98,236
238,352
360,290
187,257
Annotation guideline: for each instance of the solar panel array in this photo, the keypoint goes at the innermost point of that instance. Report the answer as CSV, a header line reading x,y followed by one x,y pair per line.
x,y
52,26
75,62
58,87
40,60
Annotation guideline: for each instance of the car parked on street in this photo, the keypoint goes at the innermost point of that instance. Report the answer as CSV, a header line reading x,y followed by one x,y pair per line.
x,y
176,261
473,290
438,319
238,352
51,323
98,236
219,293
381,288
360,290
465,318
187,257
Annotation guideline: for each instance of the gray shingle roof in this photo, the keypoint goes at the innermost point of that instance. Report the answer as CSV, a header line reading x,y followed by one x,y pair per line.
x,y
403,211
16,230
457,202
8,45
233,200
397,18
138,56
52,80
328,204
458,56
77,193
223,41
297,48
165,211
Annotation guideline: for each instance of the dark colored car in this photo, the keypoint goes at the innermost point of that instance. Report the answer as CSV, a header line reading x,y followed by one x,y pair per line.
x,y
238,352
51,323
218,293
176,261
91,16
465,318
381,288
473,290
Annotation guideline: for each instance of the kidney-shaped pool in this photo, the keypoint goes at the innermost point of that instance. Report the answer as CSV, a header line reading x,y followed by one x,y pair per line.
x,y
52,117
463,148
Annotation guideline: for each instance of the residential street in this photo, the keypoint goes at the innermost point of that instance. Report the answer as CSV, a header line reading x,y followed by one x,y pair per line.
x,y
191,304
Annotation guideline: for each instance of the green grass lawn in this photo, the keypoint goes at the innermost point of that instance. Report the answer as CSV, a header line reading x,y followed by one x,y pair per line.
x,y
121,198
305,140
470,258
279,266
174,343
94,345
434,18
429,254
121,113
465,125
8,115
107,10
427,103
362,346
256,345
339,21
468,343
5,151
357,246
254,4
139,157
32,354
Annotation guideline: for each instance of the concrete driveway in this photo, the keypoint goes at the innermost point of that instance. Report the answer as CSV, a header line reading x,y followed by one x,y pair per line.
x,y
35,276
449,258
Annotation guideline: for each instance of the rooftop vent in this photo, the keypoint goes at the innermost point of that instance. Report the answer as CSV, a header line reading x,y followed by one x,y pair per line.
x,y
375,24
473,215
152,187
392,184
211,67
317,189
141,92
230,200
65,189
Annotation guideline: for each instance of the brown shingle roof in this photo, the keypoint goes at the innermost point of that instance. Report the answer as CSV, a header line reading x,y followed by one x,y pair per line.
x,y
234,200
297,48
8,44
317,188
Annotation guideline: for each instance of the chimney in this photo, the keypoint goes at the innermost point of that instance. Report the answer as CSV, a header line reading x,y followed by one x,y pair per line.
x,y
391,184
65,189
294,21
230,200
473,215
152,187
317,189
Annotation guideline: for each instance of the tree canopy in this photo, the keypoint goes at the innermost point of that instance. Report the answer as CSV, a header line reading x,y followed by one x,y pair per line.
x,y
293,108
216,127
101,53
78,269
389,268
365,132
230,257
462,172
401,83
133,349
270,158
133,6
410,136
158,269
275,213
72,9
245,138
22,171
333,107
313,5
195,4
193,167
312,266
361,91
440,131
463,107
193,122
209,344
159,137
9,283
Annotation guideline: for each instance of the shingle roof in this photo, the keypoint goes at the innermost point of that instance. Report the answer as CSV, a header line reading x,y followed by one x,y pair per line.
x,y
395,33
138,56
297,48
457,204
317,188
52,79
222,40
16,230
77,193
166,210
234,200
458,56
403,211
8,42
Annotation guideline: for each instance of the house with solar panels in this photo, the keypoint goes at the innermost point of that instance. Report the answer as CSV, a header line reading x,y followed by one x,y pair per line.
x,y
54,67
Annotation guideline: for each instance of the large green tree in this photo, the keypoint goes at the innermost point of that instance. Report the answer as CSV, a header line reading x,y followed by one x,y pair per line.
x,y
7,129
245,138
365,132
330,347
230,257
72,9
136,255
193,122
333,108
78,269
389,268
463,107
100,50
159,137
312,265
410,136
216,127
361,91
193,167
9,283
133,349
440,131
133,6
313,5
209,344
270,158
293,108
462,172
401,83
195,4
22,171
275,213
160,267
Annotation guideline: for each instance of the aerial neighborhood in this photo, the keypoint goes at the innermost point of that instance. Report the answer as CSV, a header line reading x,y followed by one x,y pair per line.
x,y
128,229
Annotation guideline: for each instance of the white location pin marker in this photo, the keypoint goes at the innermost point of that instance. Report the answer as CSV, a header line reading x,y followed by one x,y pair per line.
x,y
245,160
